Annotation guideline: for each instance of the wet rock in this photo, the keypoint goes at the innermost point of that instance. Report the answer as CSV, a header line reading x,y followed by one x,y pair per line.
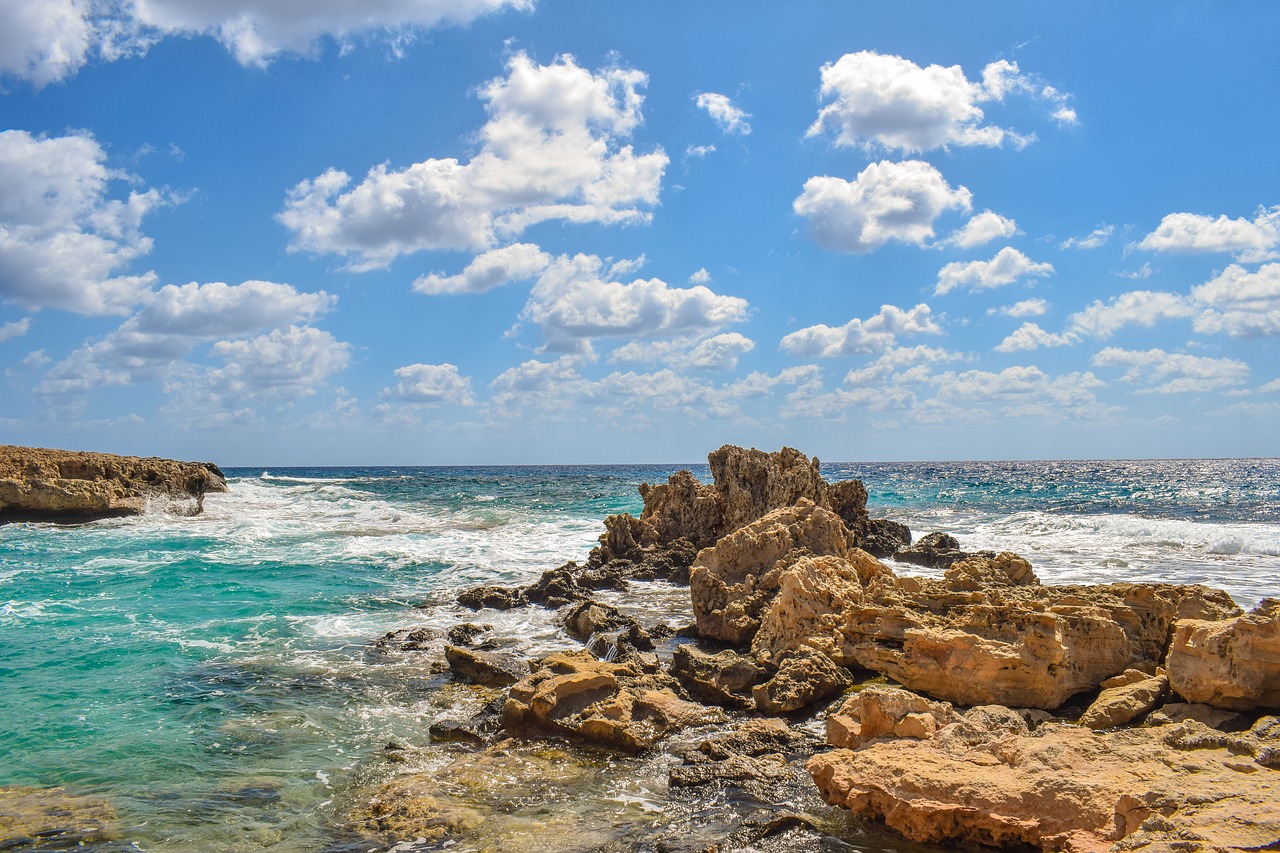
x,y
588,618
724,678
1230,663
802,679
1120,704
38,484
489,668
1059,788
556,588
614,705
53,819
466,633
410,807
408,640
936,550
495,597
476,729
881,537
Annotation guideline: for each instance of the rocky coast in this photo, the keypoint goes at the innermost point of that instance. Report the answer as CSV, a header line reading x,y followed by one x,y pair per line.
x,y
38,484
981,706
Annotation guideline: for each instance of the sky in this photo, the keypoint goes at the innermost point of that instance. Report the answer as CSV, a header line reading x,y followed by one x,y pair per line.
x,y
419,232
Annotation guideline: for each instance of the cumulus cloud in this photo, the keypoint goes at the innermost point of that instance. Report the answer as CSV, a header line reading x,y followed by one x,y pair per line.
x,y
550,150
1135,308
874,334
1030,336
981,230
574,300
730,118
44,41
281,365
701,276
1240,303
893,366
63,241
1094,239
1025,308
16,329
887,201
1006,267
873,99
718,352
1250,240
431,385
1173,373
516,262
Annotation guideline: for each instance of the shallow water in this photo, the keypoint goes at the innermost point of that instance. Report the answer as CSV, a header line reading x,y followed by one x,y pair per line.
x,y
215,677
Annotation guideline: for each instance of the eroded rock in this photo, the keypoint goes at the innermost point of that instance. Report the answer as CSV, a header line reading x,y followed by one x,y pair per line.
x,y
1229,663
724,678
1123,703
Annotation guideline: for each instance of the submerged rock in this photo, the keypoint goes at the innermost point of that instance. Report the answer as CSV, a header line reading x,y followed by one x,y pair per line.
x,y
1230,663
53,819
37,484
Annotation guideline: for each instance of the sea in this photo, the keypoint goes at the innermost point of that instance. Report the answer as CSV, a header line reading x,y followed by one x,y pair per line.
x,y
219,681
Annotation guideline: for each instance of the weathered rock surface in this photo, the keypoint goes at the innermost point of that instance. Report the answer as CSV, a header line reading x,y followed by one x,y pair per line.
x,y
615,705
53,819
493,669
802,678
37,484
1229,663
1121,704
886,712
986,778
724,678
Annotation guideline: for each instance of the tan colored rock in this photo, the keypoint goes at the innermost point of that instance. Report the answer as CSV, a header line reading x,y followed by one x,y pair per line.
x,y
37,484
1060,788
53,818
802,679
752,483
1229,663
614,705
886,712
1123,703
733,582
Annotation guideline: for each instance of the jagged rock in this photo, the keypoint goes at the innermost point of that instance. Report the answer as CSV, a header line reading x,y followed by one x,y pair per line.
x,y
886,712
411,807
556,588
53,819
1230,663
489,668
755,752
1060,788
1216,718
983,572
881,537
802,679
37,484
614,705
608,632
466,633
724,678
476,729
408,640
1120,704
495,597
732,583
752,483
937,550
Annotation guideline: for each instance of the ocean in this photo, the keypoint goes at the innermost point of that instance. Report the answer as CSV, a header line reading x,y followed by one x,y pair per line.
x,y
217,678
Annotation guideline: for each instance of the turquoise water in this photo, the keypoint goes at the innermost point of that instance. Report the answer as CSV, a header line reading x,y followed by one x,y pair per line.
x,y
215,677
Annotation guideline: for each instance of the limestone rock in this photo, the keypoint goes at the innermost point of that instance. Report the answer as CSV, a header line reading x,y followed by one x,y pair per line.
x,y
936,550
67,486
1231,663
802,679
491,596
886,712
53,819
724,678
490,668
1059,788
881,537
614,705
1121,704
1216,718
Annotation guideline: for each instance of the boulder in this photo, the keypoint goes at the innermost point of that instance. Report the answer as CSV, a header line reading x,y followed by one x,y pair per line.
x,y
613,705
886,712
881,537
491,596
493,669
802,679
65,486
936,550
985,778
724,678
1121,704
1229,663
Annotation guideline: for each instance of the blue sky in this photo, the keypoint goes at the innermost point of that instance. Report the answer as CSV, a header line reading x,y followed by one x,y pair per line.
x,y
506,231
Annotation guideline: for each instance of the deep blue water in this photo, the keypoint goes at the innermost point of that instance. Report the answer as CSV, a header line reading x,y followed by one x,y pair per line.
x,y
214,676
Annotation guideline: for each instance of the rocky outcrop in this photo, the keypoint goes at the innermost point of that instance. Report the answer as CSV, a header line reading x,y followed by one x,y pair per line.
x,y
1229,663
986,777
66,486
725,678
53,819
614,705
1125,698
494,669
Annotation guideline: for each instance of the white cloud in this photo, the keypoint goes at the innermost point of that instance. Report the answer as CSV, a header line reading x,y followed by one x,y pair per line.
x,y
430,384
1269,388
886,100
573,301
516,262
874,334
1135,308
63,241
282,364
981,230
698,151
718,352
1006,267
1139,274
1179,372
550,150
1251,241
1023,391
16,329
730,118
46,40
1093,240
1240,303
700,277
887,201
1025,308
1030,336
891,366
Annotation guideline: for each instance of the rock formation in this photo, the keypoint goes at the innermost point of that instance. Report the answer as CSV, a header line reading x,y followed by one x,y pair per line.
x,y
985,776
1231,663
66,486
